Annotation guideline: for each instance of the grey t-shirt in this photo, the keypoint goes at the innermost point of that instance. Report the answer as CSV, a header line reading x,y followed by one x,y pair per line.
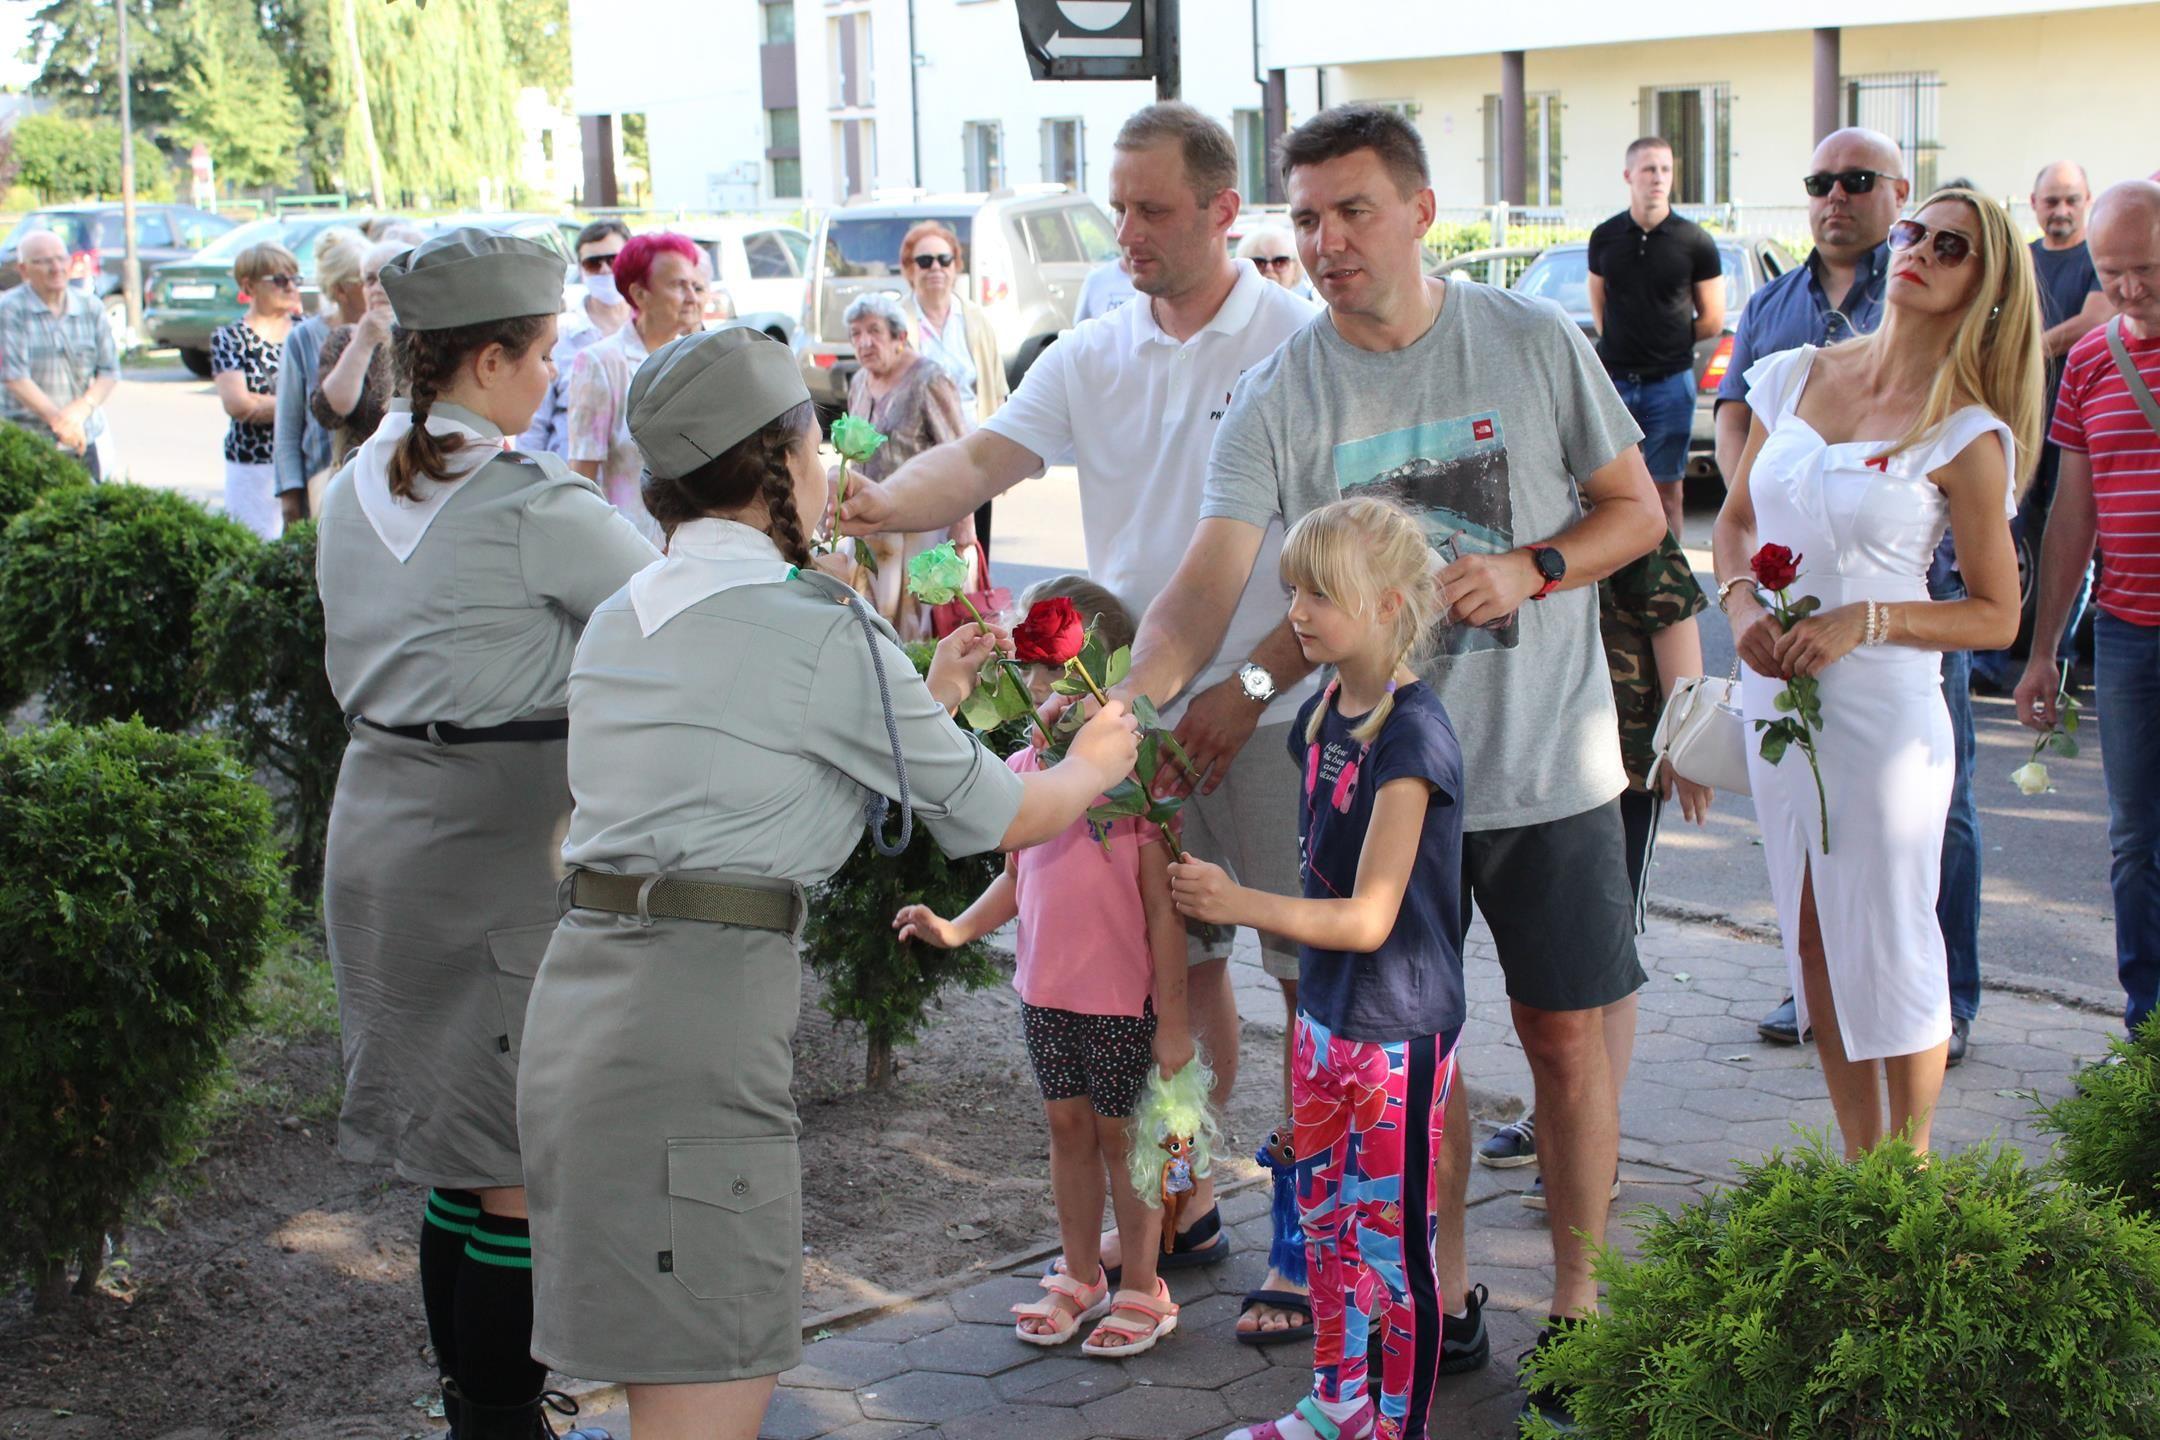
x,y
1481,427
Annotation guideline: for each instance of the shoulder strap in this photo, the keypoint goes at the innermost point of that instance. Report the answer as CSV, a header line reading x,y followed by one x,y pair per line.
x,y
2127,368
877,807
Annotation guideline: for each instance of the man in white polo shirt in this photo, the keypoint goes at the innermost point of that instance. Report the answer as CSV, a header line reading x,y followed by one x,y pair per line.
x,y
1133,399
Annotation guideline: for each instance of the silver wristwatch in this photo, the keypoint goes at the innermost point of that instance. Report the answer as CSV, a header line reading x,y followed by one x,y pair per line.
x,y
1254,680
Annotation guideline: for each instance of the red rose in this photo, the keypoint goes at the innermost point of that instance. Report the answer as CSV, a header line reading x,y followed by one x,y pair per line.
x,y
1052,633
1775,567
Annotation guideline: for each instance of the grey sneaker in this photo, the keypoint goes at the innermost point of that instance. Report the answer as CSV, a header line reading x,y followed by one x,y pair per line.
x,y
1511,1145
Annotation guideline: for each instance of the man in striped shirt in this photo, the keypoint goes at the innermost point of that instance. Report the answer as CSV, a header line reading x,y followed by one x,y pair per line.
x,y
2108,488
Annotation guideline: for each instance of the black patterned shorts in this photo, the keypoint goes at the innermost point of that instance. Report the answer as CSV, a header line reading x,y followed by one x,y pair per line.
x,y
1104,1057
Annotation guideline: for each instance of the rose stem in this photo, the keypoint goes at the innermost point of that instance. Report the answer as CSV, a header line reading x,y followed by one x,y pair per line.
x,y
1012,668
1079,665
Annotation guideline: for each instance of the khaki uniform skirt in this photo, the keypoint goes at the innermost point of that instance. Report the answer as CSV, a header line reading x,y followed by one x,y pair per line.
x,y
438,902
663,1179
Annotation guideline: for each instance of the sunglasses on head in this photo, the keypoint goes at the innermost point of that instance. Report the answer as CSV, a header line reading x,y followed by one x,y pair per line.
x,y
1272,262
594,264
1951,248
924,262
1856,182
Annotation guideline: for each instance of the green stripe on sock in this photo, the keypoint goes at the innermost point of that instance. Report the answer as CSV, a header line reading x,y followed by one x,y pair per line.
x,y
444,1222
483,1236
451,1207
508,1262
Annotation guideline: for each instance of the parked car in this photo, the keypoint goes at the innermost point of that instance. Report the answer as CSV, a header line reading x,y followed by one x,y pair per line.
x,y
97,246
1028,251
758,271
1562,274
188,299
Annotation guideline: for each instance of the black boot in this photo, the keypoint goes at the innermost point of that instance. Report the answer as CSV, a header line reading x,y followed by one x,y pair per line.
x,y
528,1421
453,1406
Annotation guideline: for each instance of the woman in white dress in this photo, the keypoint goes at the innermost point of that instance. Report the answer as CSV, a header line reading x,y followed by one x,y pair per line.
x,y
1857,458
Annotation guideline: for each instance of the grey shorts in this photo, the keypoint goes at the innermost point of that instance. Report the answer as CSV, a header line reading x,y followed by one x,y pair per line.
x,y
1249,827
1562,914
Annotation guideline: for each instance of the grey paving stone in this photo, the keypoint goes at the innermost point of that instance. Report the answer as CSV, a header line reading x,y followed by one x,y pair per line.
x,y
1267,1395
798,1413
921,1318
1654,1050
1664,1125
861,1430
1202,1361
845,1364
1681,1002
1007,1422
968,1350
1739,1102
990,1302
1713,1028
1067,1379
928,1398
1155,1412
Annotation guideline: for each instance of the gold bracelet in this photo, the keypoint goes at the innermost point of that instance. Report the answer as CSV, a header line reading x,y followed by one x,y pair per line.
x,y
1725,589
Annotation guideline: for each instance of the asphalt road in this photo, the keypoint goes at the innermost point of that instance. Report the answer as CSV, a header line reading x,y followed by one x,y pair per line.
x,y
2046,912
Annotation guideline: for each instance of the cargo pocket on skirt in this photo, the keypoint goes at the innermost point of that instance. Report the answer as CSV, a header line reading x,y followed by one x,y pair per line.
x,y
734,1215
517,951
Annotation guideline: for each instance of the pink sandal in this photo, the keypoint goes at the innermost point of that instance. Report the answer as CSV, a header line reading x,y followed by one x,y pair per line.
x,y
1308,1412
1088,1302
1150,1317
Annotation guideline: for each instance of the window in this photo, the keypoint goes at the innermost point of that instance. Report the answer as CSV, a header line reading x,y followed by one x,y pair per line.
x,y
1249,129
1904,107
1097,240
787,179
854,157
1541,149
777,19
1697,119
868,246
783,131
798,245
767,257
982,154
847,60
1049,241
1063,162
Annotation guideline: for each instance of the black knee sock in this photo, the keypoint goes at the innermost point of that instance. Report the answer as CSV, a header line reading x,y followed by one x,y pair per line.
x,y
445,1222
494,1315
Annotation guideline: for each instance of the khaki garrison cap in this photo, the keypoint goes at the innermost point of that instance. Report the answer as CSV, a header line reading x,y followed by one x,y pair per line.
x,y
700,396
471,276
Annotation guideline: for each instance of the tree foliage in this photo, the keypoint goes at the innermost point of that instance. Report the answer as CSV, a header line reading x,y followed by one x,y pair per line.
x,y
2110,1127
232,95
66,159
538,33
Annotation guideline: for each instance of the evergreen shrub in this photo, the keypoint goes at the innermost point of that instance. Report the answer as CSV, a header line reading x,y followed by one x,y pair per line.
x,y
1957,1297
2110,1127
30,467
97,600
140,887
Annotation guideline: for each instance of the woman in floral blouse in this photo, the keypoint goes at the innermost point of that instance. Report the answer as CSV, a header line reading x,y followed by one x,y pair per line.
x,y
244,365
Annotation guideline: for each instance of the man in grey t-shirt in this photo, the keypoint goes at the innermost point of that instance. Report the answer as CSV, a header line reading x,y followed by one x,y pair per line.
x,y
1489,416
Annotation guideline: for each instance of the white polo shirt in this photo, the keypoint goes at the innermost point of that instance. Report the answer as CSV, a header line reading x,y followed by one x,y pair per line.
x,y
1136,412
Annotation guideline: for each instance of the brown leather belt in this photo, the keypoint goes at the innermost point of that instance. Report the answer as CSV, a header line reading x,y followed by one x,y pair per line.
x,y
674,898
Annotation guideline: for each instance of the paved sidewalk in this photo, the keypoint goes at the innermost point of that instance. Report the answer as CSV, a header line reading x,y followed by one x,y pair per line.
x,y
1703,1091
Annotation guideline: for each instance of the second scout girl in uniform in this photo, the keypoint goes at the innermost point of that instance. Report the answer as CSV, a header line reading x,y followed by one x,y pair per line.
x,y
456,576
730,714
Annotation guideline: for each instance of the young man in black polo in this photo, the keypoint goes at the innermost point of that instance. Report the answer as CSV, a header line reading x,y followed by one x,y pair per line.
x,y
1656,288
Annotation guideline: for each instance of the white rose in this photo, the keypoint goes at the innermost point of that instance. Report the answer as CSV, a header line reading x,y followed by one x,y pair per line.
x,y
2031,778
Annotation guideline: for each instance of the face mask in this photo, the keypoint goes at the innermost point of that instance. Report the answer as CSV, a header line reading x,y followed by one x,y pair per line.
x,y
601,289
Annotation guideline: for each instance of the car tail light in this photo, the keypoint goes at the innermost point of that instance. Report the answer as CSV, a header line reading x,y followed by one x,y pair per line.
x,y
824,359
992,291
1713,375
85,265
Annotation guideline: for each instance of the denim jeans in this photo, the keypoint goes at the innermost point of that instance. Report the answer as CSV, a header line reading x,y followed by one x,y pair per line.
x,y
1665,409
2126,674
1957,894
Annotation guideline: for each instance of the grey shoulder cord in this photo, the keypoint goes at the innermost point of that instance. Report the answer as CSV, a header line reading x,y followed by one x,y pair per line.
x,y
877,807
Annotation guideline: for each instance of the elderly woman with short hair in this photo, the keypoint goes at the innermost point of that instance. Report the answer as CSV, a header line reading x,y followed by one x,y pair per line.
x,y
244,365
1274,254
300,448
357,371
915,404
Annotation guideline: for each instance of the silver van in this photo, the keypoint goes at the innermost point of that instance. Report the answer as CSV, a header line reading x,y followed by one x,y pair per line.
x,y
1027,251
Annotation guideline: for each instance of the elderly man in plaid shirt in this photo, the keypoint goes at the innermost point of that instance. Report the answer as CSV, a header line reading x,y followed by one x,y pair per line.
x,y
58,359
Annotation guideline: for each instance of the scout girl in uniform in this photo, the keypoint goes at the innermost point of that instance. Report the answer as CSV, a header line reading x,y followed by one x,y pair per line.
x,y
456,576
731,712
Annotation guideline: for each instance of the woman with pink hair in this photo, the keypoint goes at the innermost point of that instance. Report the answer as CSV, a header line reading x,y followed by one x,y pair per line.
x,y
660,276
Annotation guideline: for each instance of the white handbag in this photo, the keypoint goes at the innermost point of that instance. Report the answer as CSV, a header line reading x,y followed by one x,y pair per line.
x,y
1702,734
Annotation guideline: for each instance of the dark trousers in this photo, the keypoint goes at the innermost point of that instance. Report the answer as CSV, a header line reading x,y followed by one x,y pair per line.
x,y
1957,895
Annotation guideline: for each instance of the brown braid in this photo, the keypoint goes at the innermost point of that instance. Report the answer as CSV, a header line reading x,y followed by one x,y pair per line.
x,y
754,468
427,363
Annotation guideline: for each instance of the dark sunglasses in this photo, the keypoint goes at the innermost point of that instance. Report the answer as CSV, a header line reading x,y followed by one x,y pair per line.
x,y
282,282
1951,248
1272,262
924,262
594,264
1856,182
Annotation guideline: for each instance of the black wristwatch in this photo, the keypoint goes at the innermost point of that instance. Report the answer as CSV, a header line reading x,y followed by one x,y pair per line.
x,y
1551,564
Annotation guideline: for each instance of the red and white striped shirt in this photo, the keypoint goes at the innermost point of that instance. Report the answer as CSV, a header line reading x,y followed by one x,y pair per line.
x,y
2096,416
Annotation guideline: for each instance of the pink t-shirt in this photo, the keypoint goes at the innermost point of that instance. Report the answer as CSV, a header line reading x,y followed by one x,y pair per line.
x,y
1083,929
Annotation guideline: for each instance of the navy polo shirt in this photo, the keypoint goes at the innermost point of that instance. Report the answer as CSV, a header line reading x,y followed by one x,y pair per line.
x,y
1792,311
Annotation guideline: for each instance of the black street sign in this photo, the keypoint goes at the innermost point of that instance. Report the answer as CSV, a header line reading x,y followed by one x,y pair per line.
x,y
1088,39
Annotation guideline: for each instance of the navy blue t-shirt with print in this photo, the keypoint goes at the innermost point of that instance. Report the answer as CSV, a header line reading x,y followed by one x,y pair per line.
x,y
1413,984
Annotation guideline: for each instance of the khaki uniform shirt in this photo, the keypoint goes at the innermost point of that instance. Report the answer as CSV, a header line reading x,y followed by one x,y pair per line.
x,y
745,734
477,626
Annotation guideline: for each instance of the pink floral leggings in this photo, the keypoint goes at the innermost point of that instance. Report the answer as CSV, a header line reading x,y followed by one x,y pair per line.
x,y
1369,1119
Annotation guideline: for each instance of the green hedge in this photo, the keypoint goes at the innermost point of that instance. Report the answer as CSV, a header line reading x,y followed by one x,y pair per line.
x,y
259,638
97,601
139,889
31,466
2110,1126
1959,1296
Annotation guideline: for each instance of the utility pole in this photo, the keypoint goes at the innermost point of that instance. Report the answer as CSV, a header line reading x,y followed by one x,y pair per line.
x,y
1168,63
131,263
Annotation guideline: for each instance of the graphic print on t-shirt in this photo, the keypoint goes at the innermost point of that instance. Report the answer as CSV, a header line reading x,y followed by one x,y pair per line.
x,y
1452,475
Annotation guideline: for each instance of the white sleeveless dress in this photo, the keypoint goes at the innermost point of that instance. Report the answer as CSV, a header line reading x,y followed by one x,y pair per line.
x,y
1865,531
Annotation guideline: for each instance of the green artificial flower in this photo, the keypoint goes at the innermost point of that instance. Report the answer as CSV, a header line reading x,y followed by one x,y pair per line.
x,y
856,439
938,575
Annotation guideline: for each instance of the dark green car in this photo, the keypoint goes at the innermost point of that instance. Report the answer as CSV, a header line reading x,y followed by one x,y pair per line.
x,y
187,299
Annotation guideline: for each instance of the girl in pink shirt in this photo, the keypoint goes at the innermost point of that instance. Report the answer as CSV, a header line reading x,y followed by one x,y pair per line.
x,y
1101,978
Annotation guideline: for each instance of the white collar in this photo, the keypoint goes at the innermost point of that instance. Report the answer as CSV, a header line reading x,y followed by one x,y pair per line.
x,y
704,557
1230,317
400,523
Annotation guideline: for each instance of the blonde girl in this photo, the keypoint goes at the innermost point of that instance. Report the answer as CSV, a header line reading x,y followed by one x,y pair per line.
x,y
1379,931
